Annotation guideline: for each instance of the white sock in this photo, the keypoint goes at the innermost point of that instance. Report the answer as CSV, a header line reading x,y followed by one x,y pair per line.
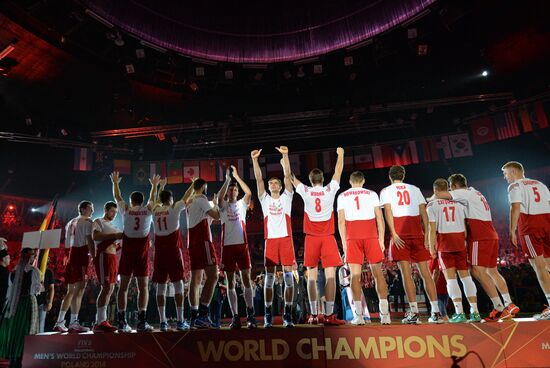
x,y
435,306
414,307
329,308
74,317
232,298
313,306
383,306
162,313
458,307
249,297
61,317
497,303
179,311
473,308
358,306
507,299
101,315
268,304
195,307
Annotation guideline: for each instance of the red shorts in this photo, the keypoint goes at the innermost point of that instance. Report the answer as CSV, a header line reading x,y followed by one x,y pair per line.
x,y
456,260
279,251
168,261
134,257
483,253
202,254
413,251
77,267
322,248
235,255
105,268
358,249
536,244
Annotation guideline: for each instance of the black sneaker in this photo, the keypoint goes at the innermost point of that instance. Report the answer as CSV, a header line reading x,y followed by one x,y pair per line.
x,y
287,321
251,321
268,320
411,319
235,323
143,326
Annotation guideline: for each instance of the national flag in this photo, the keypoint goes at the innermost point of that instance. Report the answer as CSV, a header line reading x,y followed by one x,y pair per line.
x,y
483,130
525,120
157,168
433,148
295,165
538,115
208,169
141,172
261,162
191,170
363,159
348,161
398,154
460,145
124,167
226,164
82,159
175,172
47,224
506,126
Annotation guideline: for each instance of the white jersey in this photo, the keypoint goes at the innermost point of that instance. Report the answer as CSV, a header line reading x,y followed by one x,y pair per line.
x,y
405,200
318,207
533,196
136,220
77,232
477,207
198,210
233,219
277,215
166,219
105,227
449,216
358,205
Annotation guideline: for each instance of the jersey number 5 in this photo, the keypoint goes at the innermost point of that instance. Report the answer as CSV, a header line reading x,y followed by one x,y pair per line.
x,y
536,193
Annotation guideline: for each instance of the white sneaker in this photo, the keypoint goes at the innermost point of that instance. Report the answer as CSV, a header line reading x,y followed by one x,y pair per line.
x,y
60,327
385,319
358,321
75,327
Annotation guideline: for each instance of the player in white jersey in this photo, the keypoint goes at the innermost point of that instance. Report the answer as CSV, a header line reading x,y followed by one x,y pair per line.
x,y
134,259
320,244
447,236
106,237
235,254
530,216
482,246
361,227
79,238
405,212
279,247
168,263
202,255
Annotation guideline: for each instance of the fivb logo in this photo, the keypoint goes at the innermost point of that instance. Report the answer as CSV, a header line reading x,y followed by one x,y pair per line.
x,y
545,346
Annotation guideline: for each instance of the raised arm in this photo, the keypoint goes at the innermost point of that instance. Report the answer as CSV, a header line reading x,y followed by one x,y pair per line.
x,y
153,193
115,178
380,227
162,185
258,172
223,189
285,163
339,165
214,212
400,243
242,184
188,192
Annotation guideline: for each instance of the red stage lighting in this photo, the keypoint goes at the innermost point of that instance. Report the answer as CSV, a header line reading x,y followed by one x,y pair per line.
x,y
11,207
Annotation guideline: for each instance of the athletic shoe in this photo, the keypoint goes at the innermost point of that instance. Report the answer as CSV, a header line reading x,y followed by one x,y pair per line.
x,y
358,321
164,327
268,320
509,312
60,327
124,327
435,318
182,325
367,320
144,327
458,318
494,316
545,315
104,326
385,319
332,320
235,323
203,322
474,317
411,319
251,322
287,321
313,320
76,327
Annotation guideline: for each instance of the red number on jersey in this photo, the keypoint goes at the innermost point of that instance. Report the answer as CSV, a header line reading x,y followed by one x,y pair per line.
x,y
446,211
136,227
357,201
318,204
536,193
160,223
404,198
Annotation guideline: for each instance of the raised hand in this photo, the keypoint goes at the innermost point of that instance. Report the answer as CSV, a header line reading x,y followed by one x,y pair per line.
x,y
234,171
255,154
163,182
154,180
339,151
215,199
115,177
282,149
228,174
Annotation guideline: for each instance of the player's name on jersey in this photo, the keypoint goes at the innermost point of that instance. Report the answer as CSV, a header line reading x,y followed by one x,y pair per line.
x,y
356,192
138,213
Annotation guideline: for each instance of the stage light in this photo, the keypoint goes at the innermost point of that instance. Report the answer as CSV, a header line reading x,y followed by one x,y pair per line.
x,y
34,209
199,71
228,74
11,207
484,73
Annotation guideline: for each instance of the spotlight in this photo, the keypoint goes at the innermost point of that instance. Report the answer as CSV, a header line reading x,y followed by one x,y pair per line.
x,y
34,209
484,73
11,207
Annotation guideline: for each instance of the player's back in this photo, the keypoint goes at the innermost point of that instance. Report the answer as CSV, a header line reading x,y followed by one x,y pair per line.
x,y
136,220
405,200
534,199
358,205
77,230
449,217
319,207
197,219
166,219
478,213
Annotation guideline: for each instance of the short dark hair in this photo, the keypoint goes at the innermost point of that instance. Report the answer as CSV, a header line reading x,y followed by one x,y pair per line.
x,y
83,205
137,197
278,180
109,205
397,172
233,184
165,196
459,180
316,176
197,184
441,184
357,177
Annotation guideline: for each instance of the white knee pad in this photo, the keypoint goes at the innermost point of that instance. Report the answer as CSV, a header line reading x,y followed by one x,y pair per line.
x,y
269,280
453,289
469,287
161,289
289,279
178,287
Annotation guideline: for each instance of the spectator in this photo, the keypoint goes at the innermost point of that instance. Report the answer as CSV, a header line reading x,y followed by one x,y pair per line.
x,y
44,300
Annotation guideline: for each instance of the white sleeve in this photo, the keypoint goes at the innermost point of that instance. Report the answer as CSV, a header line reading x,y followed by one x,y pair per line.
x,y
431,214
122,207
88,227
301,189
419,196
384,197
205,205
179,205
514,193
334,185
339,203
460,195
96,226
289,194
